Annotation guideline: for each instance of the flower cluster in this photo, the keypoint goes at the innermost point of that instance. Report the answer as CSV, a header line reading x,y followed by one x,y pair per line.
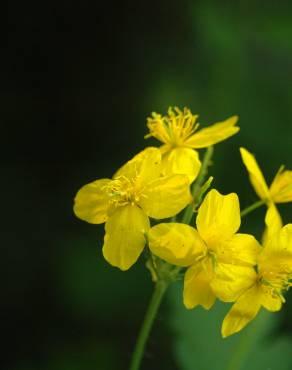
x,y
217,261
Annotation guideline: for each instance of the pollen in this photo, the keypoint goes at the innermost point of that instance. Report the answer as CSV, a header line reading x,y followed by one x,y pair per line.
x,y
123,191
174,128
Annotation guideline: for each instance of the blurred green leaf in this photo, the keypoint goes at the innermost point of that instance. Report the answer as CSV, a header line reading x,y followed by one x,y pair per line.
x,y
90,287
199,346
89,356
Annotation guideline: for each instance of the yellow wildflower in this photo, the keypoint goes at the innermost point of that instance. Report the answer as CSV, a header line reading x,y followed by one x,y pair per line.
x,y
136,191
177,132
274,272
280,190
220,261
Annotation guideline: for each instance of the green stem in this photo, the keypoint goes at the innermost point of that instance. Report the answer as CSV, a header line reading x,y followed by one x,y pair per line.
x,y
252,207
187,217
160,289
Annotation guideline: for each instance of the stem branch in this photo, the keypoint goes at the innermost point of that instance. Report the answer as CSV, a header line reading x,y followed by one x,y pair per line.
x,y
252,207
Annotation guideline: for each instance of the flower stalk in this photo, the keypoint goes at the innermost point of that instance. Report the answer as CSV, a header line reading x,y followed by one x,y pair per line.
x,y
159,291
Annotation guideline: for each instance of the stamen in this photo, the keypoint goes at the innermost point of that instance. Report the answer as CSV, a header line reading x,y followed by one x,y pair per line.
x,y
278,280
123,191
174,128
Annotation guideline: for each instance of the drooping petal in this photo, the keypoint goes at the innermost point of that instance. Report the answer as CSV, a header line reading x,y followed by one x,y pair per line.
x,y
183,161
144,167
197,289
166,196
92,202
176,243
255,174
281,188
240,249
230,281
125,236
218,217
213,134
270,300
242,312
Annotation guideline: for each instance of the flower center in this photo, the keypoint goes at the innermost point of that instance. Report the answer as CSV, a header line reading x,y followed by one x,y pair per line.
x,y
174,128
208,259
123,191
277,280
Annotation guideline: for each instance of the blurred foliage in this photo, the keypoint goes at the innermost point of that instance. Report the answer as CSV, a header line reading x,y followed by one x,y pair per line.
x,y
198,343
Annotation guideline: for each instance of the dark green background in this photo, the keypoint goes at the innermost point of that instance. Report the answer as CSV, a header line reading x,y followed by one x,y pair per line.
x,y
80,78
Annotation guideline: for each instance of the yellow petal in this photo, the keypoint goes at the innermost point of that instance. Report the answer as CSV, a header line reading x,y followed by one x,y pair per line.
x,y
275,261
285,238
165,148
197,289
178,244
242,312
125,236
183,161
279,241
144,167
269,300
240,249
255,174
273,222
218,217
166,196
92,202
213,134
281,188
230,281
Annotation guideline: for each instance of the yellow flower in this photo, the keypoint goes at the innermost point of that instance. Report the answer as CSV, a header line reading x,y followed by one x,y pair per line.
x,y
274,272
220,261
136,191
177,132
280,190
